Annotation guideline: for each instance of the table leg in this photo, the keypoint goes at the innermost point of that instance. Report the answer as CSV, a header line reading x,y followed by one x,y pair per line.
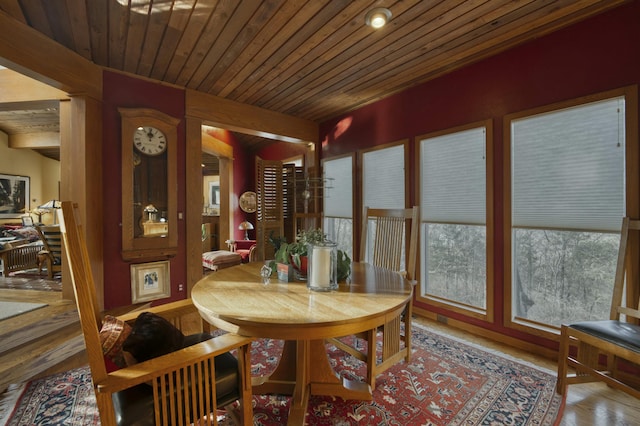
x,y
301,391
325,381
312,376
283,379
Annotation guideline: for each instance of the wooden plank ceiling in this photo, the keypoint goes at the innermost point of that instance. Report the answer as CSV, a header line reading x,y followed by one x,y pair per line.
x,y
314,59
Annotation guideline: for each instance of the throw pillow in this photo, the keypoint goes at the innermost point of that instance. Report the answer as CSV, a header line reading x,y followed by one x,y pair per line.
x,y
112,336
152,336
27,233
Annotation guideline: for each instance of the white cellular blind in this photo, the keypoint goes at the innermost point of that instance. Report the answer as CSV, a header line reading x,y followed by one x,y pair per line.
x,y
453,178
338,193
568,169
383,178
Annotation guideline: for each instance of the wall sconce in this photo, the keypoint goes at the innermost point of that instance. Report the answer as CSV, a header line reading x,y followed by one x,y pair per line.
x,y
245,226
378,17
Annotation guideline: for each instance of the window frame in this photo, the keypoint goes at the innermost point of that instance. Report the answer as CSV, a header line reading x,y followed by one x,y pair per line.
x,y
486,314
631,197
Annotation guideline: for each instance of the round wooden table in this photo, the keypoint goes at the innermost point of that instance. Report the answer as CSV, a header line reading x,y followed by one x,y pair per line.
x,y
236,300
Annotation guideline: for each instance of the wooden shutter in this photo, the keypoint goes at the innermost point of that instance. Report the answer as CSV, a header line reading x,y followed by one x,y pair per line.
x,y
269,213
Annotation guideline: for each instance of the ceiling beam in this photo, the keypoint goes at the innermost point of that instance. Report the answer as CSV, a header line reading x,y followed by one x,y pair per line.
x,y
214,146
15,87
239,117
42,140
28,106
33,54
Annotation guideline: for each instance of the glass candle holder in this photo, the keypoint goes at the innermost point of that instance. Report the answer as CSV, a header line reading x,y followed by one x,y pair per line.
x,y
323,266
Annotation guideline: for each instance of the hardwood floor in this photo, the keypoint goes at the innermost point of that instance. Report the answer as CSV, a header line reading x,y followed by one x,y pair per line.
x,y
589,404
40,342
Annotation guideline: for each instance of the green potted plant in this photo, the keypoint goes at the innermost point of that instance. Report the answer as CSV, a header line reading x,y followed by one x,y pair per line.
x,y
295,253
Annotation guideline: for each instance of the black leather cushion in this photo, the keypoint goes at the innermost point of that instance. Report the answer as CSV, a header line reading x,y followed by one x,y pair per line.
x,y
134,406
620,333
152,336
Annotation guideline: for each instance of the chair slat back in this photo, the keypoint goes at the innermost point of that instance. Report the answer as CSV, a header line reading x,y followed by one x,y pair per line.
x,y
83,286
384,239
617,305
52,239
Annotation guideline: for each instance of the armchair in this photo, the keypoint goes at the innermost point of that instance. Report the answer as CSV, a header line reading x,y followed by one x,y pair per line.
x,y
19,248
51,254
184,386
246,250
18,257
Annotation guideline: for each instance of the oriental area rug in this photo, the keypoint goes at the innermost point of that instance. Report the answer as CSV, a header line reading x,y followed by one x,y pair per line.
x,y
448,382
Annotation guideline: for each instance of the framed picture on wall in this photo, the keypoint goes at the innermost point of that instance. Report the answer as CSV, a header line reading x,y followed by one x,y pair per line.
x,y
214,195
14,196
150,281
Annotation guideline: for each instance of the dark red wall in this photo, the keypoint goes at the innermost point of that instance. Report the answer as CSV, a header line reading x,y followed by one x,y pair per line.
x,y
596,55
282,150
122,91
125,91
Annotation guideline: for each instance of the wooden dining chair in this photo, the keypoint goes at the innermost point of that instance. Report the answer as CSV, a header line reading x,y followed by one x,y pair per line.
x,y
51,253
616,339
185,386
384,237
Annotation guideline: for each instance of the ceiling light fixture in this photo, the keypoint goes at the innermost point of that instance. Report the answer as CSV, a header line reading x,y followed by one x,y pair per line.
x,y
378,17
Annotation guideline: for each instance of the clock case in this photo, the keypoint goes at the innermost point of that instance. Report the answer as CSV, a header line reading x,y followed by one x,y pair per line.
x,y
152,181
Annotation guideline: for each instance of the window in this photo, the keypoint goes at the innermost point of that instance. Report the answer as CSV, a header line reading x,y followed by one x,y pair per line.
x,y
567,202
383,181
453,185
383,177
338,202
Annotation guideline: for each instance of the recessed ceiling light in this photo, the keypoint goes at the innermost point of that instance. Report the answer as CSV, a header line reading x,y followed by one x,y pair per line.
x,y
378,17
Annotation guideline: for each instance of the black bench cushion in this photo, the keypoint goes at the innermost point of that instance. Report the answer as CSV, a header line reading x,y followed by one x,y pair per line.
x,y
620,333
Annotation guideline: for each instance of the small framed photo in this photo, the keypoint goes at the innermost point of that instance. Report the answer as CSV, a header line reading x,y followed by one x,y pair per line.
x,y
150,281
27,220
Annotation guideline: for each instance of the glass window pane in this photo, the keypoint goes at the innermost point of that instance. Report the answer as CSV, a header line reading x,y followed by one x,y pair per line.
x,y
456,263
563,276
340,230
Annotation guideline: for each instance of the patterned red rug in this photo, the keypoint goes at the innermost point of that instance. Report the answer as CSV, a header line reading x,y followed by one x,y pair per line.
x,y
448,382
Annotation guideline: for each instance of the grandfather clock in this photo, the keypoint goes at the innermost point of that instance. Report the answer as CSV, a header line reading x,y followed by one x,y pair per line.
x,y
149,184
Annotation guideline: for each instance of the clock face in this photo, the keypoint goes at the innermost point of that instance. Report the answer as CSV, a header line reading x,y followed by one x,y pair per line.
x,y
149,140
248,202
